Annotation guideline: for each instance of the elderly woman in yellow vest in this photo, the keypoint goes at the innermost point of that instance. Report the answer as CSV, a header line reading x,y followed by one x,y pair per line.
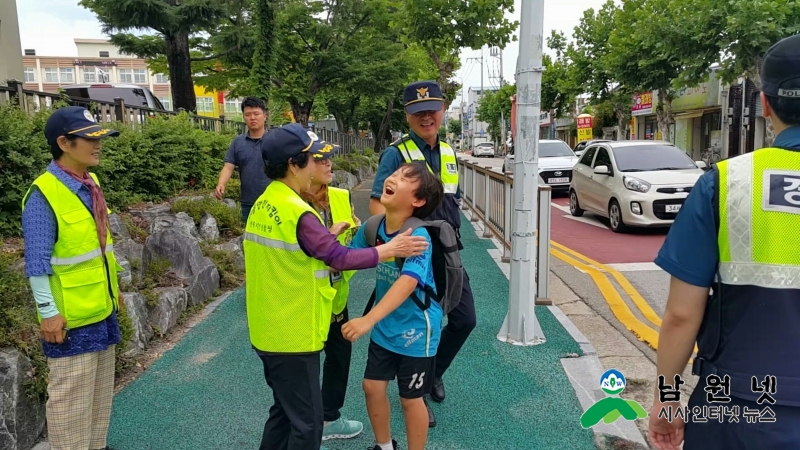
x,y
291,259
69,260
335,208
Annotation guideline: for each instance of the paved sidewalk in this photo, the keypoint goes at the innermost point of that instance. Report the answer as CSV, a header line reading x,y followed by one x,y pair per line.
x,y
209,392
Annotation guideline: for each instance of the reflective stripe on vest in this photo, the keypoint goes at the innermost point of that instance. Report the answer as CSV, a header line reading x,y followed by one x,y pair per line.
x,y
84,283
341,211
448,164
750,326
289,293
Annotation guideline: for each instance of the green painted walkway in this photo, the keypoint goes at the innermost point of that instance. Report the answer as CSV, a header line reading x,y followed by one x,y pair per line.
x,y
209,391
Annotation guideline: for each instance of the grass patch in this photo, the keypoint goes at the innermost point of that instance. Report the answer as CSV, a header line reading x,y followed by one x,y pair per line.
x,y
228,219
231,276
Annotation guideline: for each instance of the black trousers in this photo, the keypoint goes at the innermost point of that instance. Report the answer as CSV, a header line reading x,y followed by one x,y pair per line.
x,y
295,418
460,323
336,368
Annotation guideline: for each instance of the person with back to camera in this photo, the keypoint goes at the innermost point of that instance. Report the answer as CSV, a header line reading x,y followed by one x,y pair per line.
x,y
290,255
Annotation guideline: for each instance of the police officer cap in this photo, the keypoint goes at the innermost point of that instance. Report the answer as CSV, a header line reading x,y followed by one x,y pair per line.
x,y
780,70
422,96
290,140
77,121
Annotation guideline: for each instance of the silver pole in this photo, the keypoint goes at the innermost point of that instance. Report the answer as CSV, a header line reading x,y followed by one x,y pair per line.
x,y
521,326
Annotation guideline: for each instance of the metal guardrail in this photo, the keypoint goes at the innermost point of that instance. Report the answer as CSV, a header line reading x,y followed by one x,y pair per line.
x,y
136,116
490,195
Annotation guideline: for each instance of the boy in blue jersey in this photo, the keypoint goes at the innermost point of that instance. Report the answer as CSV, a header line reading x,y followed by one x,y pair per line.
x,y
404,337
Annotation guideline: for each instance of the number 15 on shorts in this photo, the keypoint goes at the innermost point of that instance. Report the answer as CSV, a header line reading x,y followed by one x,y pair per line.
x,y
417,380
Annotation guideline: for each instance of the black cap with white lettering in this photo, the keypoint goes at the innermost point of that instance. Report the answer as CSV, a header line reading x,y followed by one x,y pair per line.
x,y
780,70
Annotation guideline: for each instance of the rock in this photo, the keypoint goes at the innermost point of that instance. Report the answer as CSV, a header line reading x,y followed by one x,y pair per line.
x,y
230,203
136,306
118,228
208,228
235,248
22,419
192,198
187,260
126,276
150,211
171,304
344,180
180,222
129,250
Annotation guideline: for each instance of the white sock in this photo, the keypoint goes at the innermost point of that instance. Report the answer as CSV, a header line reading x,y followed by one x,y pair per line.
x,y
387,446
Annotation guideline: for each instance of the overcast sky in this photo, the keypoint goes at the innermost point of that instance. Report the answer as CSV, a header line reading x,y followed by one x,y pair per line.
x,y
50,26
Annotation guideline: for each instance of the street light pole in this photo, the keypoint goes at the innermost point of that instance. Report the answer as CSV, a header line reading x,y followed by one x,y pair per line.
x,y
520,326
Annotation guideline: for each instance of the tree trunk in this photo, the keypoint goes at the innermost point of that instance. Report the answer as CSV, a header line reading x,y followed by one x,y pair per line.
x,y
301,111
180,71
664,114
264,55
385,123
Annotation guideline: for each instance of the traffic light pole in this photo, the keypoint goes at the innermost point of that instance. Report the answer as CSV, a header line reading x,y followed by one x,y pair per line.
x,y
520,326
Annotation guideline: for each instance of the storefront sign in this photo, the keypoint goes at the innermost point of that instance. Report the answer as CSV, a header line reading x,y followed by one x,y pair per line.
x,y
642,104
584,127
705,95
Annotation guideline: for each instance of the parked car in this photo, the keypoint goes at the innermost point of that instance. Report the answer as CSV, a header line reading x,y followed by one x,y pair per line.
x,y
484,149
556,161
131,94
633,183
581,146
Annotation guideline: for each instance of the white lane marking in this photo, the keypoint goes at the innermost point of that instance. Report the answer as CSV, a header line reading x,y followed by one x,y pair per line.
x,y
634,267
586,220
560,207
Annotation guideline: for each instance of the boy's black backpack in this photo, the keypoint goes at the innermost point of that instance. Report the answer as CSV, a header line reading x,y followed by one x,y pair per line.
x,y
448,273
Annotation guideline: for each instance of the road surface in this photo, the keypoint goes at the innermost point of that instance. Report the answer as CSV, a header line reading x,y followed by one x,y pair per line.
x,y
613,272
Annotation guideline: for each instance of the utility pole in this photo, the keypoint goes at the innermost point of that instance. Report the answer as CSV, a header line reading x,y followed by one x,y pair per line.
x,y
475,115
520,326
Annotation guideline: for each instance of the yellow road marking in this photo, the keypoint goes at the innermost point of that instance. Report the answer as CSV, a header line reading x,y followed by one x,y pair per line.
x,y
637,298
612,297
618,306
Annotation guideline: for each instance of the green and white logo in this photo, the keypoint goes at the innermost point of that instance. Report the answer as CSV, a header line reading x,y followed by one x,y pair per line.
x,y
612,408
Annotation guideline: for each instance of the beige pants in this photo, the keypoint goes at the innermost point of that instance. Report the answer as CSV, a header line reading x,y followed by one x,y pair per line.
x,y
80,392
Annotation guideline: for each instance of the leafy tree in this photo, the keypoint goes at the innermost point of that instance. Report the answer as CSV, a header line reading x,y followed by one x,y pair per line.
x,y
264,54
444,27
454,127
492,105
175,22
559,89
590,49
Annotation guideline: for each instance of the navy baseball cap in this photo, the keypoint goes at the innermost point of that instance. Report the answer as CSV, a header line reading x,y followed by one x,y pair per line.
x,y
780,69
327,152
422,96
290,140
77,121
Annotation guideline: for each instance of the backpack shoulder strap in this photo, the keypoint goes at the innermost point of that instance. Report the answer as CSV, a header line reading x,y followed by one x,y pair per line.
x,y
371,228
411,223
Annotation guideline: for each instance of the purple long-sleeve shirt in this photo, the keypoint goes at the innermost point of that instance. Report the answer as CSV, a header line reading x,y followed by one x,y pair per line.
x,y
317,242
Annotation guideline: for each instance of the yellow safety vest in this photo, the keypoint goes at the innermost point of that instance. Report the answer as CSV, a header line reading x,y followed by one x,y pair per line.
x,y
341,211
84,283
289,293
448,165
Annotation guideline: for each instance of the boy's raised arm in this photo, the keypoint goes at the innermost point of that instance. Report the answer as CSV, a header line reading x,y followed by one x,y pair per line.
x,y
400,291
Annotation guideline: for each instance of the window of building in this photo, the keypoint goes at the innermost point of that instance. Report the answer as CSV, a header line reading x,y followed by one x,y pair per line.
x,y
89,76
139,76
167,102
50,75
30,52
67,75
233,106
162,79
125,76
205,104
104,54
30,74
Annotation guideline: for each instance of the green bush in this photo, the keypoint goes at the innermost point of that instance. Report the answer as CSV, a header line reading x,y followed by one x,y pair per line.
x,y
149,163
